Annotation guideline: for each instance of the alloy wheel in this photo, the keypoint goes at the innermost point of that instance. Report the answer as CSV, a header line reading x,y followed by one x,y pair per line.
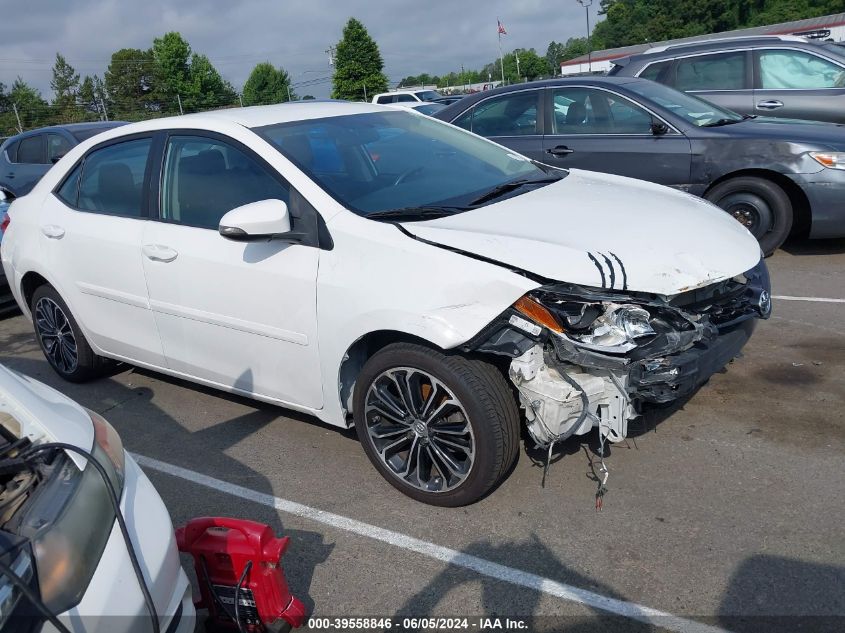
x,y
56,335
419,429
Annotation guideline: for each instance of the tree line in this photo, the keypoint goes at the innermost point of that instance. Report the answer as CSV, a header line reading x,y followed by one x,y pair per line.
x,y
166,79
628,22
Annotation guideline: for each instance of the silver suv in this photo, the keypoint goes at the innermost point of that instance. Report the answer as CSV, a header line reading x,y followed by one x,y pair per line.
x,y
780,76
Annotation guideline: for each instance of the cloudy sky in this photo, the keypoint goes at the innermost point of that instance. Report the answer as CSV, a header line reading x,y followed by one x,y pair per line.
x,y
415,36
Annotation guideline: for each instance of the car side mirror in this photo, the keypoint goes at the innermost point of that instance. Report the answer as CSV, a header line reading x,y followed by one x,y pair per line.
x,y
262,220
659,128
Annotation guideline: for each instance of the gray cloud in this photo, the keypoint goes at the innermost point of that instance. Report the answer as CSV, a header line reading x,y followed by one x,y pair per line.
x,y
414,36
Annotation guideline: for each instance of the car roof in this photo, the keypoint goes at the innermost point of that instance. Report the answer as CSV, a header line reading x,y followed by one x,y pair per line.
x,y
669,51
69,127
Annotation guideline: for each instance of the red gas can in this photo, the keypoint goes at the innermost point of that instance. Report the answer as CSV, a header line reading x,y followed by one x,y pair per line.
x,y
228,551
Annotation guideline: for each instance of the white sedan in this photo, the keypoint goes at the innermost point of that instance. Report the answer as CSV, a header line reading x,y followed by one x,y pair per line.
x,y
379,268
59,533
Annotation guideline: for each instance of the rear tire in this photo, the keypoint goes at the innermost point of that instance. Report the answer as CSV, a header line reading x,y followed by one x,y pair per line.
x,y
61,339
455,440
758,204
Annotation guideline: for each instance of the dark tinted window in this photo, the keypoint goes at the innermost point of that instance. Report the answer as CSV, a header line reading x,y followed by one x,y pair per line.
x,y
205,178
720,71
403,98
509,115
659,71
70,187
30,150
57,146
791,70
113,179
386,99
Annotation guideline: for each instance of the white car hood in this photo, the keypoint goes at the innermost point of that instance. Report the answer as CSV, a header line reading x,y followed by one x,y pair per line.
x,y
43,414
604,231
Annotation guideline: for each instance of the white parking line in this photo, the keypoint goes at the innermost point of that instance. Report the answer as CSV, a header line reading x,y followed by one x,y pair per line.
x,y
811,299
482,566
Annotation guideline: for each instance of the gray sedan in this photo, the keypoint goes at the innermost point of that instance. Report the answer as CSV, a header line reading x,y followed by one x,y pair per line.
x,y
773,175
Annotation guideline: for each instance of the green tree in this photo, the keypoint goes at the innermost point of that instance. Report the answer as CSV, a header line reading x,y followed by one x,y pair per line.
x,y
65,86
129,84
266,85
171,71
206,89
530,66
32,108
359,67
88,99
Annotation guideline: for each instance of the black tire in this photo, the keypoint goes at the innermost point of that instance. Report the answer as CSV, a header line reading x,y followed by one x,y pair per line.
x,y
485,404
760,205
88,365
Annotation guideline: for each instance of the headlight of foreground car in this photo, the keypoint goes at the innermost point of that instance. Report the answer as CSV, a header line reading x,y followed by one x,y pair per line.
x,y
602,326
831,160
71,518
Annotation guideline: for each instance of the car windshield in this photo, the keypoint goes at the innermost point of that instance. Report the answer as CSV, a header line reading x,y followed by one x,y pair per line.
x,y
696,111
398,161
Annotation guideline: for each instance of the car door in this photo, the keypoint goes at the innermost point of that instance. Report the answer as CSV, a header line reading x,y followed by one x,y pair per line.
x,y
798,84
600,130
239,315
722,78
28,165
91,230
512,119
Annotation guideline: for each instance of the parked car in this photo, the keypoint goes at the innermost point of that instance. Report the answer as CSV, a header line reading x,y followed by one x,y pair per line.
x,y
774,176
406,96
25,158
365,264
779,76
449,99
57,523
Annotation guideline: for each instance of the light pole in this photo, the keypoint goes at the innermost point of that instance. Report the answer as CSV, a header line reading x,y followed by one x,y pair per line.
x,y
586,4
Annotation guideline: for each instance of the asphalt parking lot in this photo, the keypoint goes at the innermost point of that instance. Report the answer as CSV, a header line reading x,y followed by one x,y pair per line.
x,y
727,510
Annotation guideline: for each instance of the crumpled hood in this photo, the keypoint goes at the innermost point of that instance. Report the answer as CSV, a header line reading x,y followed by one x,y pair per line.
x,y
604,231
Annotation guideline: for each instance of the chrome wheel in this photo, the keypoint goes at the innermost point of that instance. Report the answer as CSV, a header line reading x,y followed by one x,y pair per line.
x,y
419,429
56,335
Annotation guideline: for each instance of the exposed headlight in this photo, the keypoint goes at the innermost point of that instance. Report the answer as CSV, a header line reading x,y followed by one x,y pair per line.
x,y
831,160
618,329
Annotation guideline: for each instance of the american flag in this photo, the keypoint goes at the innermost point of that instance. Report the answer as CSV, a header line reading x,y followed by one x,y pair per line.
x,y
502,30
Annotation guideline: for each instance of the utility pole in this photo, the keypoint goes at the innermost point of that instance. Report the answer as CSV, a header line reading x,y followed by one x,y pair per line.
x,y
241,100
330,51
105,114
518,75
179,99
18,117
586,4
365,93
288,87
463,78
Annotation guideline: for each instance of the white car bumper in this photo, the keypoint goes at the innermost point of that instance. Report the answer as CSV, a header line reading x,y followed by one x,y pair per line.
x,y
113,602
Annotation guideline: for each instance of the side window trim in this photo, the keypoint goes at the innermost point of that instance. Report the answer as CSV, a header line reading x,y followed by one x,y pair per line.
x,y
115,141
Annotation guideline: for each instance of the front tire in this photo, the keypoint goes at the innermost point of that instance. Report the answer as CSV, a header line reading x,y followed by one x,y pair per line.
x,y
441,428
758,204
61,340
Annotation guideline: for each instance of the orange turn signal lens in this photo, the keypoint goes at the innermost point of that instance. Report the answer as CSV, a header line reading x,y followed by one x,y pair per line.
x,y
537,313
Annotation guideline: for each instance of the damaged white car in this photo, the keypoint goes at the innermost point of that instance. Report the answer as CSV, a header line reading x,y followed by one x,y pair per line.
x,y
374,266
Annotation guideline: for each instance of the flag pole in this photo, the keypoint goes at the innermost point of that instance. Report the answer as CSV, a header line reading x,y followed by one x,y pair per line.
x,y
501,57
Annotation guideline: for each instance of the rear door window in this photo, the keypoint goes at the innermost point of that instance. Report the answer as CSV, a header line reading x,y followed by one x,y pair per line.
x,y
113,179
57,146
719,71
31,150
509,115
794,70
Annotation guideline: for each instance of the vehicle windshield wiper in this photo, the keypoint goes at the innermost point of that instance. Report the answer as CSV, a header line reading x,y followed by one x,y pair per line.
x,y
416,213
506,187
721,122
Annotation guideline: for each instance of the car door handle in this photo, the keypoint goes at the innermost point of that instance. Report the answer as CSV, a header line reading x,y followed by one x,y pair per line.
x,y
11,174
773,104
560,150
53,231
159,253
